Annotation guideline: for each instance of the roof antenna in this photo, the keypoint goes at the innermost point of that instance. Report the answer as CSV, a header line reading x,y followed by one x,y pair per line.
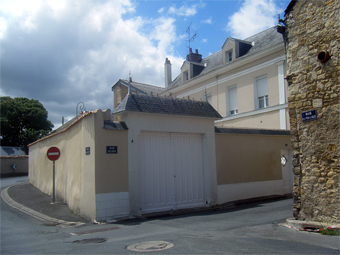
x,y
205,93
130,80
190,39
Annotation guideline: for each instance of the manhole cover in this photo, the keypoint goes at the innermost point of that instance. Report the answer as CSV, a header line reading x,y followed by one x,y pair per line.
x,y
91,240
150,246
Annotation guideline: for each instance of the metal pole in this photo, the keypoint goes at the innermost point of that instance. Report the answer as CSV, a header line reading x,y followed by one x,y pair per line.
x,y
53,181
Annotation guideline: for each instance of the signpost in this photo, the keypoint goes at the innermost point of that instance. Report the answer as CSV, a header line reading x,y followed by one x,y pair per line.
x,y
53,154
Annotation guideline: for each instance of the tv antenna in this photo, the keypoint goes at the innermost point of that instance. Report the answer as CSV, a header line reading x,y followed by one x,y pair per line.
x,y
192,38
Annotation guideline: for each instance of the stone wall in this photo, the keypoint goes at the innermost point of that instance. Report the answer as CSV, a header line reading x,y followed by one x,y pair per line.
x,y
312,27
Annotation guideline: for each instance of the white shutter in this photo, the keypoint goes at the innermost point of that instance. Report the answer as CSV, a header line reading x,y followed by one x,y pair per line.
x,y
262,87
232,94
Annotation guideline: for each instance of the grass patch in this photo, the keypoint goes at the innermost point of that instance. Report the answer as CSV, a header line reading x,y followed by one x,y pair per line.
x,y
331,232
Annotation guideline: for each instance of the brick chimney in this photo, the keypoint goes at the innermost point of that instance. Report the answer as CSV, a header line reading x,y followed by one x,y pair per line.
x,y
167,72
194,57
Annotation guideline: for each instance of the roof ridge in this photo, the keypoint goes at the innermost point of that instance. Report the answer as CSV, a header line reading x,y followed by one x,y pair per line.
x,y
263,31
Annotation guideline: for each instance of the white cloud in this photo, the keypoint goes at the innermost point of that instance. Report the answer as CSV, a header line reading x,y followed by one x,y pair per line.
x,y
254,16
185,10
3,27
77,50
207,21
161,10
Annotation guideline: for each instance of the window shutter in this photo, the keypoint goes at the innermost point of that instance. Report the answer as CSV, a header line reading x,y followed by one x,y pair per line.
x,y
232,93
262,87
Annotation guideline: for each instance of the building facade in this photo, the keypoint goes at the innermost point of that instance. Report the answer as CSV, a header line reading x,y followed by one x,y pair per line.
x,y
158,154
313,71
244,81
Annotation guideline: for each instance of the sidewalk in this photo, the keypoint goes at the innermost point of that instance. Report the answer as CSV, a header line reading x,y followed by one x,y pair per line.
x,y
30,200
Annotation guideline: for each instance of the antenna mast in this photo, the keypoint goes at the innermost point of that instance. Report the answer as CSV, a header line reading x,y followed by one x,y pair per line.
x,y
190,39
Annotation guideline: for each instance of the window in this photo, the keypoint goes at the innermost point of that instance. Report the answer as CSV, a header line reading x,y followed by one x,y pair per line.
x,y
263,102
185,76
229,56
232,100
261,92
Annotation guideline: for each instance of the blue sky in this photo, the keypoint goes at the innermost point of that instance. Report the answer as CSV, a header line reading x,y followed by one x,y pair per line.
x,y
62,52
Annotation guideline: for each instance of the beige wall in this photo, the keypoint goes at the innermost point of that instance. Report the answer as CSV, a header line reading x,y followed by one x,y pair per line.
x,y
79,177
249,166
119,94
249,158
68,167
265,120
243,74
111,169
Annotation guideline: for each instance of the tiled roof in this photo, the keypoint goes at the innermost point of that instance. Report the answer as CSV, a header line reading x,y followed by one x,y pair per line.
x,y
251,131
115,125
65,125
259,41
12,151
140,87
166,105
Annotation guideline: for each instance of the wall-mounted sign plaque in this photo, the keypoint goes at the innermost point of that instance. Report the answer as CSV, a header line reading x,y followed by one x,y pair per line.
x,y
87,151
111,149
310,115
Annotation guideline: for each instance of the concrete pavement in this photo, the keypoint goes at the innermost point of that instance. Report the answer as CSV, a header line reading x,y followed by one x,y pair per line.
x,y
30,200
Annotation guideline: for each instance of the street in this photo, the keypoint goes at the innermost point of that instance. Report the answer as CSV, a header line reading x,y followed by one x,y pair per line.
x,y
248,229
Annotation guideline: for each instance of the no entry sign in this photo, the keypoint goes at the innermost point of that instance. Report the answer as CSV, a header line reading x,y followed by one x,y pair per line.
x,y
53,153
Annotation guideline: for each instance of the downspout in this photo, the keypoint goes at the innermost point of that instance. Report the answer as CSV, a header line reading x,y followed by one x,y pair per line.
x,y
218,105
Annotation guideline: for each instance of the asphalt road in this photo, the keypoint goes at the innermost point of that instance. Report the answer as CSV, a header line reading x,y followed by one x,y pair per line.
x,y
249,229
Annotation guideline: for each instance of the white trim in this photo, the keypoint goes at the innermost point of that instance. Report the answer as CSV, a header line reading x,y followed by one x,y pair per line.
x,y
283,121
256,89
239,191
112,205
281,80
282,94
252,113
228,99
233,76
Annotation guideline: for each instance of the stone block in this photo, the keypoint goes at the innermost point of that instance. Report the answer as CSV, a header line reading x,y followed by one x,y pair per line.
x,y
317,103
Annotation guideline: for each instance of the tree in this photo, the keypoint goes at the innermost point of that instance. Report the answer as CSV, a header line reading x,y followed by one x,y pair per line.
x,y
23,121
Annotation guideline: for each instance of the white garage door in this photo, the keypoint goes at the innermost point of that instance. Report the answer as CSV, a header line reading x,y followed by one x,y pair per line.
x,y
170,171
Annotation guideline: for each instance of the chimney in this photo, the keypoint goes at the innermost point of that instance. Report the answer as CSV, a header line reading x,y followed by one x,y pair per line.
x,y
194,57
167,72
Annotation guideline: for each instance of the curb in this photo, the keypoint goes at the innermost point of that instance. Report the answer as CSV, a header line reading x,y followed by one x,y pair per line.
x,y
8,200
309,226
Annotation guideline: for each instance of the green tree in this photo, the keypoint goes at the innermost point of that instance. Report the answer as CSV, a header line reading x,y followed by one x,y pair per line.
x,y
23,121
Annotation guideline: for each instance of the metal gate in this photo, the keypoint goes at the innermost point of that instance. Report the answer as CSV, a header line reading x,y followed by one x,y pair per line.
x,y
170,171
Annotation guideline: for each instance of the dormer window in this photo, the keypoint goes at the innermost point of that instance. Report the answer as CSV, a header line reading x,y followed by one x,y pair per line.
x,y
234,48
228,56
185,76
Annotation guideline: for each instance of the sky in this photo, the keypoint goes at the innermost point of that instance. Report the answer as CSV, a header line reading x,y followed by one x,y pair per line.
x,y
62,52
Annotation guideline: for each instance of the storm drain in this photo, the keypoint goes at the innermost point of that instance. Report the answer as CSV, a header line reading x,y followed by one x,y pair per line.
x,y
91,240
150,246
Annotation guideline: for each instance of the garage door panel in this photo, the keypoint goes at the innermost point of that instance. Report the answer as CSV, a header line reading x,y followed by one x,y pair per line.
x,y
155,187
171,171
189,170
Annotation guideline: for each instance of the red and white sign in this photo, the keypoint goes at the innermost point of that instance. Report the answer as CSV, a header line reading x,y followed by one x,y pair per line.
x,y
53,153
